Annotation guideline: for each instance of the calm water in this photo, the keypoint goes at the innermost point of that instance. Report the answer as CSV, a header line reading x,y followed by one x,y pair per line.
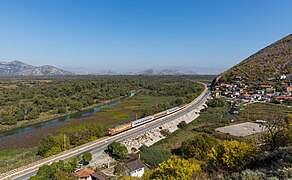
x,y
76,115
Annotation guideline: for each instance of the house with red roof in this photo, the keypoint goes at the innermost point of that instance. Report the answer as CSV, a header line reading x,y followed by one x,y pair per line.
x,y
84,174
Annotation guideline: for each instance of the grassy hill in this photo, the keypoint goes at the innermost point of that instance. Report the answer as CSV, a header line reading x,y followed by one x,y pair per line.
x,y
266,65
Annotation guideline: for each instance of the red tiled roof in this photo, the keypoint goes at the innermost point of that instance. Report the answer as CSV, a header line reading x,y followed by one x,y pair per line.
x,y
265,86
246,95
237,77
84,173
284,97
225,85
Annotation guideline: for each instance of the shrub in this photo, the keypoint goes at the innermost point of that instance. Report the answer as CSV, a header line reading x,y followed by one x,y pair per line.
x,y
174,168
230,154
198,146
154,155
117,150
182,125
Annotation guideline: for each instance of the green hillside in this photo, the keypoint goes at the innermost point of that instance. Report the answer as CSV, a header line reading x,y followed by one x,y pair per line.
x,y
266,65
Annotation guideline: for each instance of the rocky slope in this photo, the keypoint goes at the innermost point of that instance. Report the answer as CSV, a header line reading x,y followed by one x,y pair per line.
x,y
266,65
17,68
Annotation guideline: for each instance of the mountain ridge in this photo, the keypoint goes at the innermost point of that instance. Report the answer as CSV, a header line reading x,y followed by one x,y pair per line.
x,y
18,68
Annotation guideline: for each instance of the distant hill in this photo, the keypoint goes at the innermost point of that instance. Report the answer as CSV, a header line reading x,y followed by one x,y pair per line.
x,y
17,68
166,72
266,65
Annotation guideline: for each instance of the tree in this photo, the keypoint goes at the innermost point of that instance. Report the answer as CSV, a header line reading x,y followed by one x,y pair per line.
x,y
51,145
118,169
46,144
61,175
230,154
199,146
182,125
87,157
175,168
216,102
70,165
117,150
279,130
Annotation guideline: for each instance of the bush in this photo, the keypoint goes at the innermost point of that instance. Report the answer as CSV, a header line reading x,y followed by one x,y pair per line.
x,y
216,102
230,154
174,168
87,157
198,146
117,150
154,156
182,125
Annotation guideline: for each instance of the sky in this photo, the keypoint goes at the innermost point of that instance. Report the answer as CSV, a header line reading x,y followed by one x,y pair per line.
x,y
129,34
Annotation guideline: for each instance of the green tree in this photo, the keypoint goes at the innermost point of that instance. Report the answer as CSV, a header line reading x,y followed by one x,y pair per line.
x,y
216,102
46,144
118,169
182,125
175,168
87,157
117,150
61,175
70,165
199,146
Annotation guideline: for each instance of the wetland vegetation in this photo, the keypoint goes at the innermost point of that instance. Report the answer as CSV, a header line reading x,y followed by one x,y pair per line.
x,y
153,94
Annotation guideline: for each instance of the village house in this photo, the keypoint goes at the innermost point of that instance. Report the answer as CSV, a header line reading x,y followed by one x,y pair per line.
x,y
284,98
135,168
84,174
237,78
217,93
283,76
289,90
246,96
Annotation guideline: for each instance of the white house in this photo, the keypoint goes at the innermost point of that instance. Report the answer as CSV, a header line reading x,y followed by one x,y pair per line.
x,y
135,168
283,76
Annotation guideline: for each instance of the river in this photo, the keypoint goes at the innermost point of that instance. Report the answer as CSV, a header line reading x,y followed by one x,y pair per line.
x,y
48,126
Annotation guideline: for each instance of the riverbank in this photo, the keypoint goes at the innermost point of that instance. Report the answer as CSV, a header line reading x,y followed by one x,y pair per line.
x,y
48,116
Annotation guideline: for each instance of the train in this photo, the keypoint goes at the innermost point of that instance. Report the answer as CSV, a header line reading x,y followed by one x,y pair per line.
x,y
138,122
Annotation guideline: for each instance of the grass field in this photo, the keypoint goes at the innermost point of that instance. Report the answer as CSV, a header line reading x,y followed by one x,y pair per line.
x,y
10,159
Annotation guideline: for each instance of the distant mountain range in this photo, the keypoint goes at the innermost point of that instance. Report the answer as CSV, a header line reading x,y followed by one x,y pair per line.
x,y
156,70
17,68
166,72
266,65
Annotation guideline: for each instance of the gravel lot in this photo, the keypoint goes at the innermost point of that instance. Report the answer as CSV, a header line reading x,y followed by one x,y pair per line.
x,y
243,129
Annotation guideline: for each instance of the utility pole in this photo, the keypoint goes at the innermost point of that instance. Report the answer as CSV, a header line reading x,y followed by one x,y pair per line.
x,y
64,141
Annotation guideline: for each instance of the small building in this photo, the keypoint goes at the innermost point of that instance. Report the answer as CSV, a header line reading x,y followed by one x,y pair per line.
x,y
135,168
84,174
289,90
283,76
246,96
217,93
97,176
237,78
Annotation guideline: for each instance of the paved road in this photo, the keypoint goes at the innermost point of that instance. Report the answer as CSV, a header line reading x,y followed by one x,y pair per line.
x,y
101,144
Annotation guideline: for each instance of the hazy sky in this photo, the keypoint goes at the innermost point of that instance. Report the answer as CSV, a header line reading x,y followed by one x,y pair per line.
x,y
110,34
